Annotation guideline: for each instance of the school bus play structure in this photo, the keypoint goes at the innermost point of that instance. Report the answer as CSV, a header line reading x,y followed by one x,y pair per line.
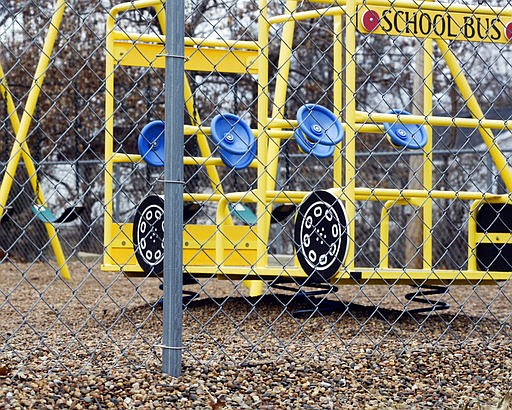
x,y
325,220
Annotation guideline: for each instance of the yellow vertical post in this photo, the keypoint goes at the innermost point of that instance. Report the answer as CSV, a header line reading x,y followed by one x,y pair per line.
x,y
384,235
338,94
350,113
427,156
256,287
281,88
472,265
160,15
109,140
20,147
269,147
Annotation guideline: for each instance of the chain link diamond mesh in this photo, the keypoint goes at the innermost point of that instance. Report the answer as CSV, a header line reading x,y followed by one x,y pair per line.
x,y
428,228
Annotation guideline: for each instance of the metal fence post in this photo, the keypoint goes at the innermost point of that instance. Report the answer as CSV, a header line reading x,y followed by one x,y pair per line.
x,y
173,208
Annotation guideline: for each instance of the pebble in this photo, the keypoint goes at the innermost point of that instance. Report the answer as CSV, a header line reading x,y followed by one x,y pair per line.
x,y
314,363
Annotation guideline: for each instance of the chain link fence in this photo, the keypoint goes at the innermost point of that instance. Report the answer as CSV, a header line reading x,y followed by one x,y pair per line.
x,y
320,218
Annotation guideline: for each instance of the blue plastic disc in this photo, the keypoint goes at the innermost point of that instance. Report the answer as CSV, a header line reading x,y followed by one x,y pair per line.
x,y
316,149
412,136
237,161
320,125
319,130
234,139
151,143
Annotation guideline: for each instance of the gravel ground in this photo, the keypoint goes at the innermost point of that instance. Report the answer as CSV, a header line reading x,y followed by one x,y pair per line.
x,y
93,343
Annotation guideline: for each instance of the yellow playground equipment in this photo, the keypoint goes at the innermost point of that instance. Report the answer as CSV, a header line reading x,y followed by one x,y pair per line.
x,y
20,148
325,220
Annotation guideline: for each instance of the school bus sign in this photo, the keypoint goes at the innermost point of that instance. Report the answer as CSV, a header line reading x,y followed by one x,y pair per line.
x,y
448,25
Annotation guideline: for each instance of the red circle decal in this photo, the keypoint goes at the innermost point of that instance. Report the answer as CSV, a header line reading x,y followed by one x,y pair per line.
x,y
508,30
370,20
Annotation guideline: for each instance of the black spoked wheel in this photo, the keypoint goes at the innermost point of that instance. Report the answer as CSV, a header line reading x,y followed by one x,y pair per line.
x,y
321,235
148,235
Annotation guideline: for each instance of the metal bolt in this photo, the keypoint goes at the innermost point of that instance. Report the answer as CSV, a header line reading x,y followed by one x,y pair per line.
x,y
317,129
401,132
229,137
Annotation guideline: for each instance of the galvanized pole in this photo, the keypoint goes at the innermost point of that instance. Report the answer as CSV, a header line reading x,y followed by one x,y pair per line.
x,y
173,190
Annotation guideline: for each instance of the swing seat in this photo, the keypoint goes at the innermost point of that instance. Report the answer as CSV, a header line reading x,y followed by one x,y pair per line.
x,y
282,212
44,214
7,210
243,213
279,214
190,210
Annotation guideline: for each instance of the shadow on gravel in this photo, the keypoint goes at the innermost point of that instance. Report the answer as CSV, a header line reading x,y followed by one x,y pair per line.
x,y
302,307
292,310
335,311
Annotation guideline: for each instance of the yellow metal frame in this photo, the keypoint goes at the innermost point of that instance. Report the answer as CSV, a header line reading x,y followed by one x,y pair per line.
x,y
242,252
131,49
21,127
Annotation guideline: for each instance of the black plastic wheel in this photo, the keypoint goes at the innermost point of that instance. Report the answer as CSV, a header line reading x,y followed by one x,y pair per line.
x,y
321,235
148,235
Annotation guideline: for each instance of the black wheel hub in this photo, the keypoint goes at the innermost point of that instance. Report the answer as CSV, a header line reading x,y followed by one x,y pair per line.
x,y
148,234
321,235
